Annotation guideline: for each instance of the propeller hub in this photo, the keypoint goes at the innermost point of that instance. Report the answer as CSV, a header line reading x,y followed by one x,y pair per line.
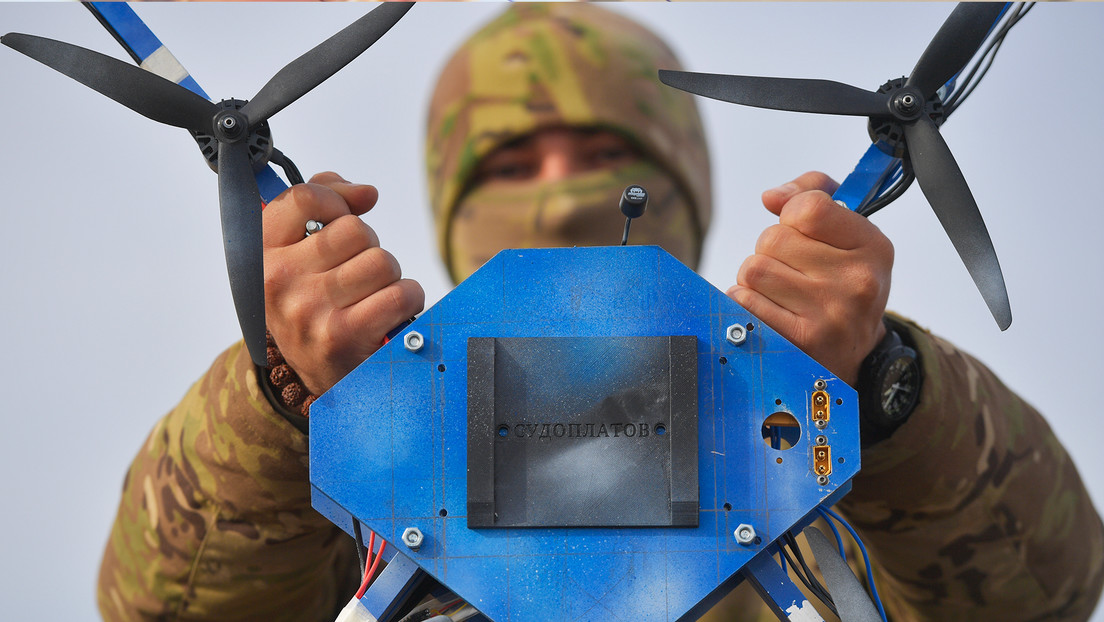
x,y
229,125
906,105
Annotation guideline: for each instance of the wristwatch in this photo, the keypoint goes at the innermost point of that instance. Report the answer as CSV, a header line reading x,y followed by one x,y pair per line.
x,y
889,387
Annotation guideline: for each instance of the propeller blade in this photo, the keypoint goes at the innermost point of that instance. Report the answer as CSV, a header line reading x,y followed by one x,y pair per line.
x,y
327,58
143,92
794,94
954,45
240,205
943,184
851,600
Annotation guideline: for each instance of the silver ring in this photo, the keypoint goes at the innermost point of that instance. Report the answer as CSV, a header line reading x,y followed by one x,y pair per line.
x,y
313,226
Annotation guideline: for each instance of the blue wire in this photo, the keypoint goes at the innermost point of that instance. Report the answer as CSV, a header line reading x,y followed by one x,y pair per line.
x,y
866,559
835,532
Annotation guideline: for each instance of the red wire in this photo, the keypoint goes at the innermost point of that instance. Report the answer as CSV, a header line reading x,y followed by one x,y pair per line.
x,y
370,572
371,546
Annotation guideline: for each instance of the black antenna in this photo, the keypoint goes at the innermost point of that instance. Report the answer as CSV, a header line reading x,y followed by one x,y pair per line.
x,y
634,200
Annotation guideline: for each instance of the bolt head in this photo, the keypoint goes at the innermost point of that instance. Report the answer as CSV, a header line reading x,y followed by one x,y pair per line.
x,y
413,341
744,534
736,334
412,537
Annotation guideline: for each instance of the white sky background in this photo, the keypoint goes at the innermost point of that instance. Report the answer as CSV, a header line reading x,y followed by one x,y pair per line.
x,y
115,297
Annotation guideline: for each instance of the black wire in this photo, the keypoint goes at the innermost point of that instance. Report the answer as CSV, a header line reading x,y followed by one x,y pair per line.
x,y
893,193
820,590
290,170
823,596
625,237
985,61
806,577
360,547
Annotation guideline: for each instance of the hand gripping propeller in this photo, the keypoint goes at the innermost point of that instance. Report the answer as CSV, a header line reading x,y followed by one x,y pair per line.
x,y
166,102
915,106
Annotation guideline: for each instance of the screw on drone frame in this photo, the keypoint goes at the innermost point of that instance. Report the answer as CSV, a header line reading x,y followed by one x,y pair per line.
x,y
232,126
915,107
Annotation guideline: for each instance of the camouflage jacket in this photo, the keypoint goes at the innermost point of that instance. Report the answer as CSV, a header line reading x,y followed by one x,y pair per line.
x,y
971,511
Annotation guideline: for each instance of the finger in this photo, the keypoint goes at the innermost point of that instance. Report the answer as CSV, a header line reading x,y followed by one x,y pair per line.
x,y
778,282
798,250
775,198
389,307
817,216
766,310
359,197
338,242
286,216
360,277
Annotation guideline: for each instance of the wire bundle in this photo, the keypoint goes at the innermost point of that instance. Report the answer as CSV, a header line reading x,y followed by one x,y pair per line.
x,y
829,515
368,564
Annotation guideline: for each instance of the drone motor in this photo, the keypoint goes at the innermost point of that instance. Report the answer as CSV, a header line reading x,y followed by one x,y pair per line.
x,y
888,133
260,141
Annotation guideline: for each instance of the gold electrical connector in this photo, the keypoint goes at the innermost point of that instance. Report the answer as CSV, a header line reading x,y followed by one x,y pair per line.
x,y
822,460
821,406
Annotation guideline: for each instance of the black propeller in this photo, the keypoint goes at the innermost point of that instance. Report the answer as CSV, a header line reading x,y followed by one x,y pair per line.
x,y
231,125
914,106
848,595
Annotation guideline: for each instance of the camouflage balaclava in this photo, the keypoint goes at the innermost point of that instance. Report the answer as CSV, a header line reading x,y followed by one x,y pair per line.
x,y
555,65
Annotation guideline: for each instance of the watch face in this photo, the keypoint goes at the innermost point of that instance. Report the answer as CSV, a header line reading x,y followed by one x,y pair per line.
x,y
900,385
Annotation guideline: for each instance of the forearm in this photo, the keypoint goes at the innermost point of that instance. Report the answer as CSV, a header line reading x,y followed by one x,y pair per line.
x,y
215,520
972,509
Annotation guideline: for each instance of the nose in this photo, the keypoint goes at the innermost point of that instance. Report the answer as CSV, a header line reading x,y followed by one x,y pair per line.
x,y
557,156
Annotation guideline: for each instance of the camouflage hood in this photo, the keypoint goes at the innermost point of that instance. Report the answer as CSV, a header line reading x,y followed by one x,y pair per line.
x,y
560,64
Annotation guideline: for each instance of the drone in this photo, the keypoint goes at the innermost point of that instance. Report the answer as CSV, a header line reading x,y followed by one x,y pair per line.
x,y
669,442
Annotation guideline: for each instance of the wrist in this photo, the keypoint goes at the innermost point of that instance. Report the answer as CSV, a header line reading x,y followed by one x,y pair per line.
x,y
284,389
889,385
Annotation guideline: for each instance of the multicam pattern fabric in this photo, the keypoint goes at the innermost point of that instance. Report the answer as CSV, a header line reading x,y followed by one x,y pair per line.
x,y
215,520
580,210
971,511
560,64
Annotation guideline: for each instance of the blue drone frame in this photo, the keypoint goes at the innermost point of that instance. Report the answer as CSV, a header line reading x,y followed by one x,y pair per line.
x,y
573,434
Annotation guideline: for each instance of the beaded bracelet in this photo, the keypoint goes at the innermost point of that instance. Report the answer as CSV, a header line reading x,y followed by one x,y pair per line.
x,y
290,390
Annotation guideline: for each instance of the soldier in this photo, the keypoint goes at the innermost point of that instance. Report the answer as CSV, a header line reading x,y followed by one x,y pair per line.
x,y
971,508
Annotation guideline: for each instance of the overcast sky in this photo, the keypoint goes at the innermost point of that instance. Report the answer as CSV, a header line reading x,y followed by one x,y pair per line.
x,y
115,296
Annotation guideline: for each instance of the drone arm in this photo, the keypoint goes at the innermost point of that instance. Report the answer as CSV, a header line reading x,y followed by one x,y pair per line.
x,y
870,177
143,46
776,589
148,52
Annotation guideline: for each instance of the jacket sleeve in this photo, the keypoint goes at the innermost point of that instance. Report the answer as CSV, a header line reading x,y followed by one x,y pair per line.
x,y
215,520
972,510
